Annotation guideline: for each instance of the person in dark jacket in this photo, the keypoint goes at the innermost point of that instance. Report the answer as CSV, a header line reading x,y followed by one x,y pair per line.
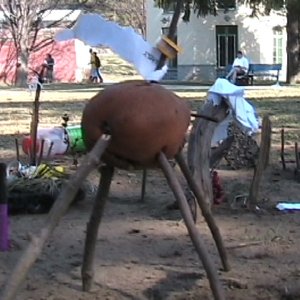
x,y
95,68
49,65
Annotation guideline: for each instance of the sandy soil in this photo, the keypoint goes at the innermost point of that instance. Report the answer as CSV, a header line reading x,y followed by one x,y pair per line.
x,y
143,249
144,252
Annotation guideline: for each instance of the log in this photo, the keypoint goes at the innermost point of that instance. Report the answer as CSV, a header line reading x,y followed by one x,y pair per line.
x,y
62,203
35,121
199,148
263,160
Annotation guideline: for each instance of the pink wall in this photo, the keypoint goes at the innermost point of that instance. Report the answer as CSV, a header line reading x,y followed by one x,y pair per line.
x,y
7,62
63,53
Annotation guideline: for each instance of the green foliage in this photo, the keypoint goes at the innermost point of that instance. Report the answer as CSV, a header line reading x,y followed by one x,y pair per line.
x,y
205,7
267,5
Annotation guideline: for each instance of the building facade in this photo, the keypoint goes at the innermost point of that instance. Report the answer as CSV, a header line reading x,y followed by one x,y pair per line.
x,y
210,43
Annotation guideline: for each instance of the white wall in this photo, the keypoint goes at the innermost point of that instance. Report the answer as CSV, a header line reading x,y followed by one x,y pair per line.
x,y
82,60
198,37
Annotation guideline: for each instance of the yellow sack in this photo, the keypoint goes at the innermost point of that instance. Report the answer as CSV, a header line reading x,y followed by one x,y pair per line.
x,y
46,171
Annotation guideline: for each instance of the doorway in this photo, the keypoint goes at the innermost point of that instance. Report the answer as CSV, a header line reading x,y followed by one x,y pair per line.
x,y
227,43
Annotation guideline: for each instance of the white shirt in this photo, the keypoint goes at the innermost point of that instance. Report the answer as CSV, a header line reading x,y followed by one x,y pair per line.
x,y
241,62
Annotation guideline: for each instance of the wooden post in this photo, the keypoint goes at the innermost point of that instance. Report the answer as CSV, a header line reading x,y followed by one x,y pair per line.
x,y
17,150
263,160
282,149
4,222
297,169
35,118
297,156
144,181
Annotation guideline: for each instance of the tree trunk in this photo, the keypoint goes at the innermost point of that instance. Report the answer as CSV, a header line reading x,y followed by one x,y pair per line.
x,y
22,69
172,31
293,42
199,147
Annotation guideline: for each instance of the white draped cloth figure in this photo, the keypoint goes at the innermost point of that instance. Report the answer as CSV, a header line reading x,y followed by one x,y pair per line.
x,y
242,110
95,31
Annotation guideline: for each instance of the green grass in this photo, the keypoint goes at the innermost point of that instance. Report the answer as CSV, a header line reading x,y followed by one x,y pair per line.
x,y
283,107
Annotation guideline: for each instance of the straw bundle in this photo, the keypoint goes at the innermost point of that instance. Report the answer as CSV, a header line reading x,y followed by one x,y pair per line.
x,y
37,194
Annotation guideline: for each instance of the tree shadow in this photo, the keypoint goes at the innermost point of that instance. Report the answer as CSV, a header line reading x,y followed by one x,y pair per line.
x,y
174,282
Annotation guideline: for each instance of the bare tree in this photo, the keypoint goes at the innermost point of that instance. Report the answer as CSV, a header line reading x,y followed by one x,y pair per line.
x,y
125,12
22,22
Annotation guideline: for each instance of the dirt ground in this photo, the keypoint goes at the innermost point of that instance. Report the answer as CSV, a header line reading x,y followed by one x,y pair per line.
x,y
143,249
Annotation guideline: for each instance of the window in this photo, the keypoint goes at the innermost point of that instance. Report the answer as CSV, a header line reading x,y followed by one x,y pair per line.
x,y
277,45
226,4
226,44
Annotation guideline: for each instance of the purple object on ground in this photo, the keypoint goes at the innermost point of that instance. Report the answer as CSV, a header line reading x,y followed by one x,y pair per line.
x,y
4,240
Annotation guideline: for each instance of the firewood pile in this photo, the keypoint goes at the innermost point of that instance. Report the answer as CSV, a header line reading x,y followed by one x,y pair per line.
x,y
244,150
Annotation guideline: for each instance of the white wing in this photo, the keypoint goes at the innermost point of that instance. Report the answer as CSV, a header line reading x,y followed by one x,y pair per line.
x,y
95,31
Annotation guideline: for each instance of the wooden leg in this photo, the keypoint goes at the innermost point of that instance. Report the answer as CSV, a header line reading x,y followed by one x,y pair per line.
x,y
282,150
144,181
297,156
87,271
192,229
4,221
205,211
58,209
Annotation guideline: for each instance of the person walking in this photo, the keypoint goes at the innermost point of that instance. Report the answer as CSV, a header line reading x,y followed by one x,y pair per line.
x,y
95,63
49,65
97,66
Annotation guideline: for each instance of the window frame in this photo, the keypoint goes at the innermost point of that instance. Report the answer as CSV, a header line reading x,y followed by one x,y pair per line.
x,y
278,36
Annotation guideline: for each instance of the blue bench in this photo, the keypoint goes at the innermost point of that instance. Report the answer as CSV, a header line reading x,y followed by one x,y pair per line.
x,y
263,70
257,70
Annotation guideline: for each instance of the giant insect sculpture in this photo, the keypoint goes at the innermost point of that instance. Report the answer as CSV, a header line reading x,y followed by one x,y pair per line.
x,y
133,124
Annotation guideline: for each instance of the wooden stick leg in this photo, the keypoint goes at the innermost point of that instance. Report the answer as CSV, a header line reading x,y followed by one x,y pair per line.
x,y
144,181
191,227
58,209
205,211
4,218
262,162
282,154
87,271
